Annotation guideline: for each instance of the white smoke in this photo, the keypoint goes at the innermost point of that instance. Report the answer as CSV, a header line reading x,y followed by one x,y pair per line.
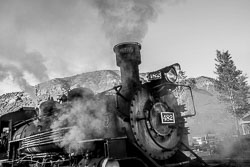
x,y
87,121
127,20
18,78
63,30
16,62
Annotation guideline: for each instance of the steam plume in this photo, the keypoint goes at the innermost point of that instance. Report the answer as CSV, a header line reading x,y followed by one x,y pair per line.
x,y
16,61
58,29
126,20
86,119
18,77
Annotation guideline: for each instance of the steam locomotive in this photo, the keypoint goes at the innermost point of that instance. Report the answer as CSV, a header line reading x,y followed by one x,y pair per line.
x,y
132,124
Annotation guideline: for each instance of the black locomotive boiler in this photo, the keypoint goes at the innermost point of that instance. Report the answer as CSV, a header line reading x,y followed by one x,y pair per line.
x,y
132,124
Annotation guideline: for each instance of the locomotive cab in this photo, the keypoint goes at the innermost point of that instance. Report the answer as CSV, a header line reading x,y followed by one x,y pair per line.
x,y
9,123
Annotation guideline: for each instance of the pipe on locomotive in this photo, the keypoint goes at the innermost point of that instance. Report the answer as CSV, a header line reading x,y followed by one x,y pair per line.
x,y
128,58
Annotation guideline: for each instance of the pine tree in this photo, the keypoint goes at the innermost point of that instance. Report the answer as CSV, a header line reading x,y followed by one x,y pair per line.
x,y
231,84
242,102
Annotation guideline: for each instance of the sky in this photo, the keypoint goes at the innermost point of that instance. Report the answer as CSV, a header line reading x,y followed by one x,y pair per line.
x,y
46,39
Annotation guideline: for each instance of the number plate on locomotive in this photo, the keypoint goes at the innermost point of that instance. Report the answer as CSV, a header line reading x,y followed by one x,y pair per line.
x,y
154,75
167,118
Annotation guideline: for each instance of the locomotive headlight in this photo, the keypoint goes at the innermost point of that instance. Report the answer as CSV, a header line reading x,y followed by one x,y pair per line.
x,y
171,75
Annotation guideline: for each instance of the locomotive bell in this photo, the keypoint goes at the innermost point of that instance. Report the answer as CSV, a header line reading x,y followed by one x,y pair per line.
x,y
128,58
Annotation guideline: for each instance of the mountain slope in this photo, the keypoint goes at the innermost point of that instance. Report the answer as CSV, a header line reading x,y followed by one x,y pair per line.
x,y
98,81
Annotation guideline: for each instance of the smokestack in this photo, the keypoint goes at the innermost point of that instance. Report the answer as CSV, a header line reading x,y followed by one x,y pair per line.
x,y
128,58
